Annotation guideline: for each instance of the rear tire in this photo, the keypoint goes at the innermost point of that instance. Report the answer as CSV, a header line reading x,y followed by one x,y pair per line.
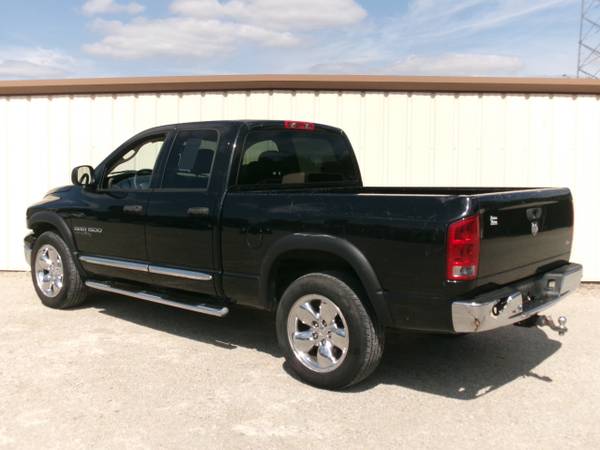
x,y
55,277
327,335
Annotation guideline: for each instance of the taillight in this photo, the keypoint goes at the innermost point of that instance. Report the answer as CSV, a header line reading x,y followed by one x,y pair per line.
x,y
462,250
294,125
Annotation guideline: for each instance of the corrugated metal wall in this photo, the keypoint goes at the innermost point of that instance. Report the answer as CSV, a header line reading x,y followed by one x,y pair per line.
x,y
400,139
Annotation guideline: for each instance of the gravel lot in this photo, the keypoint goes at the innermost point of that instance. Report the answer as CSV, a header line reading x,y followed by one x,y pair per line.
x,y
124,373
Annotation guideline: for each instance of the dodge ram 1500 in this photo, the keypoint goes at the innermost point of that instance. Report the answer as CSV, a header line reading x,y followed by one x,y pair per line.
x,y
273,215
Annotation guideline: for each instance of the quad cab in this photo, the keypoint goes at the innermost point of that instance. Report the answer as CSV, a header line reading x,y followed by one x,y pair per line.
x,y
273,215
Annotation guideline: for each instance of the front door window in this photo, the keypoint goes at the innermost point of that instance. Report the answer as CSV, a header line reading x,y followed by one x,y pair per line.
x,y
134,168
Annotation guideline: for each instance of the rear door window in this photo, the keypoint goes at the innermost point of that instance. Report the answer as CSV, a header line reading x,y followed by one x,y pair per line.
x,y
191,159
282,156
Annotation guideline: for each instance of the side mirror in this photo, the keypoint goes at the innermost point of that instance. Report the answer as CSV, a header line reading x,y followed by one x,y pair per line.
x,y
83,176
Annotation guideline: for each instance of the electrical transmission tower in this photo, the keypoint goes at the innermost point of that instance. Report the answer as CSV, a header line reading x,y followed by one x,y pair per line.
x,y
588,60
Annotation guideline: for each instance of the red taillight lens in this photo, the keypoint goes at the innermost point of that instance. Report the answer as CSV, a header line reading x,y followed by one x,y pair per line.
x,y
294,125
462,251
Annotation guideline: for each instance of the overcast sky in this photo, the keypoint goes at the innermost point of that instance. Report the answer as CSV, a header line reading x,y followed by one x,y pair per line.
x,y
52,39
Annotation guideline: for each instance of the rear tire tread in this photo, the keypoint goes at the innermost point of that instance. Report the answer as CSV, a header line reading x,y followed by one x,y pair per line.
x,y
374,336
371,338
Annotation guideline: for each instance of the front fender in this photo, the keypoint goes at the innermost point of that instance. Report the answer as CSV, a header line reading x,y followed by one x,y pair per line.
x,y
50,219
53,219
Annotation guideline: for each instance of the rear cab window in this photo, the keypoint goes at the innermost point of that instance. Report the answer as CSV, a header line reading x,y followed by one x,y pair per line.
x,y
280,156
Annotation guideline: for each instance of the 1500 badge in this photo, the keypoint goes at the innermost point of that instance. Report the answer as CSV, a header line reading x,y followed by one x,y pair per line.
x,y
87,230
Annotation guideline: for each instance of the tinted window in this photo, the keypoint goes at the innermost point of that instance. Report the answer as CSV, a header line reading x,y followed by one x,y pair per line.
x,y
296,157
191,159
134,168
254,151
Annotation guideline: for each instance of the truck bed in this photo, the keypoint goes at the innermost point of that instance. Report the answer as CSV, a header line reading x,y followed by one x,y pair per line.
x,y
509,248
523,230
441,191
402,232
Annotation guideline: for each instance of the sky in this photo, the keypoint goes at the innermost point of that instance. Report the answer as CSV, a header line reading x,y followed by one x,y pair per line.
x,y
71,39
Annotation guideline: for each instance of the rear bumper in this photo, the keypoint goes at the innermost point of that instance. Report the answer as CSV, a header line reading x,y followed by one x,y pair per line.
x,y
515,302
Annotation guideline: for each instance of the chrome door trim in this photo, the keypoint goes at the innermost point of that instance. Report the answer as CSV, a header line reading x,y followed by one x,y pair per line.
x,y
180,273
144,267
117,263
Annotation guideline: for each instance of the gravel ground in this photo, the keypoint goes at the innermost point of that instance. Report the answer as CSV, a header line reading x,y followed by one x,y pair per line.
x,y
121,373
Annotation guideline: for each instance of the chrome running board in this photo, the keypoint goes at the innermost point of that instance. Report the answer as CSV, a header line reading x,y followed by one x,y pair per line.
x,y
155,298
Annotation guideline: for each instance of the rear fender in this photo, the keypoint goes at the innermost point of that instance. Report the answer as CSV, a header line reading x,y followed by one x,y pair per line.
x,y
329,244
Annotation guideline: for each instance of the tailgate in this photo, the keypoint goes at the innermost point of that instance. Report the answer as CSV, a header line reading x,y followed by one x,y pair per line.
x,y
524,232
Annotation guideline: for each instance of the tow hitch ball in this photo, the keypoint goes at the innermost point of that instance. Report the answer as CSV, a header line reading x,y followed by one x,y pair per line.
x,y
546,321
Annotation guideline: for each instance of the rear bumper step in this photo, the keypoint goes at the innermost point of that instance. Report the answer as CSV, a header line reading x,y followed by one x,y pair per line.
x,y
216,311
516,302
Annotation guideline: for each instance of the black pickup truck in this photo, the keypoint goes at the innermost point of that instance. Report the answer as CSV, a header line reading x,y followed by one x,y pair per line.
x,y
273,215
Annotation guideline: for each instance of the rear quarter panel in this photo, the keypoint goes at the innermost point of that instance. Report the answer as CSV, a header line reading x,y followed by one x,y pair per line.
x,y
402,236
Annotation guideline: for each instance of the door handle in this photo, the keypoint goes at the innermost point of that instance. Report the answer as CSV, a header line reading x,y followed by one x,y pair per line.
x,y
133,209
198,211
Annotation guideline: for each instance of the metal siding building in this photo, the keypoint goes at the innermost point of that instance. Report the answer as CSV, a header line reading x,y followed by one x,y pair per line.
x,y
405,131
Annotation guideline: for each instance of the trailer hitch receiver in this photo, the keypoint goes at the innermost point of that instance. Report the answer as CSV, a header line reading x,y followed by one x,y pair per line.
x,y
547,321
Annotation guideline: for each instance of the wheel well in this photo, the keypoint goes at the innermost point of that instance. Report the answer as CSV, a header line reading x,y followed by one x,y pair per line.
x,y
42,227
62,230
292,265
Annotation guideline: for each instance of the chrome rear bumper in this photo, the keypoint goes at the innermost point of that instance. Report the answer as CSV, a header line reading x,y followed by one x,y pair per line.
x,y
515,302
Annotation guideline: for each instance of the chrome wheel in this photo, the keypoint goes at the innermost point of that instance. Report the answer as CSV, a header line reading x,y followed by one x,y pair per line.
x,y
318,333
49,272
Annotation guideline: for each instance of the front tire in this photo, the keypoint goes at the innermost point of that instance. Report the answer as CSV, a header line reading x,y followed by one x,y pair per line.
x,y
55,277
328,337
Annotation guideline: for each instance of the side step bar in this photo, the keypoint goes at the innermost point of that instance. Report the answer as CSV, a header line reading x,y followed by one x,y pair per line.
x,y
143,295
